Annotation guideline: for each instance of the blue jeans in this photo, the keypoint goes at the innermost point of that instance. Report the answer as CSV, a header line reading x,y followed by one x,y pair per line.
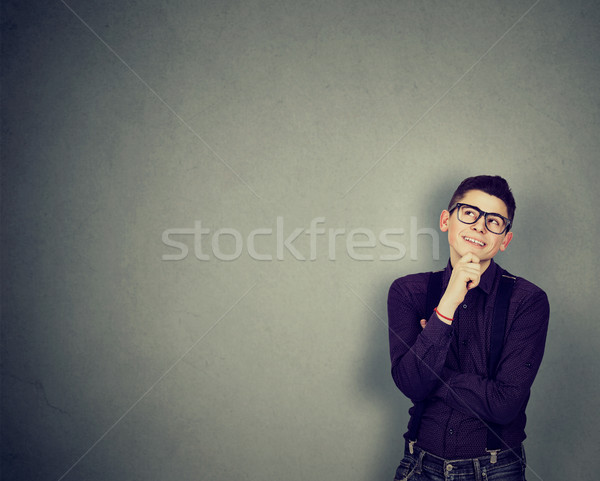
x,y
423,466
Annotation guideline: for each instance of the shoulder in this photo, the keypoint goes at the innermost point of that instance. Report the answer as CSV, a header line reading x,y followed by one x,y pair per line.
x,y
530,297
523,287
410,284
408,294
528,289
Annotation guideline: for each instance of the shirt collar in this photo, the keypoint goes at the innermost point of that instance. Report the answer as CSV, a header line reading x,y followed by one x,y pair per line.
x,y
486,281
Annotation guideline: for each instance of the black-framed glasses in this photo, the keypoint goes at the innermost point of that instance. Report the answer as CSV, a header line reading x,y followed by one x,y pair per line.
x,y
469,214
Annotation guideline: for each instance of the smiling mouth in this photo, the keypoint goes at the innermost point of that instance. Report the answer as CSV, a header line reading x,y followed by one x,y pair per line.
x,y
473,241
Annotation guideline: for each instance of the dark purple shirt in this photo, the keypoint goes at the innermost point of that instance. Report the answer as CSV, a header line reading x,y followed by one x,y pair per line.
x,y
446,365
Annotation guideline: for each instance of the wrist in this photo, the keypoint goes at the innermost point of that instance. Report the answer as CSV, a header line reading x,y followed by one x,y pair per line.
x,y
443,317
447,308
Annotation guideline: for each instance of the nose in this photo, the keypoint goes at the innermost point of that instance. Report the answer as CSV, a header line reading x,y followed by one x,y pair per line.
x,y
479,225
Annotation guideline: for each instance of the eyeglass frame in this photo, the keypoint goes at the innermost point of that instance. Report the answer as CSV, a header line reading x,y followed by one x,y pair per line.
x,y
485,214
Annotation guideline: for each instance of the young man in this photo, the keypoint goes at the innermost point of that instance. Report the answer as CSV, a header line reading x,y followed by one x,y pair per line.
x,y
469,414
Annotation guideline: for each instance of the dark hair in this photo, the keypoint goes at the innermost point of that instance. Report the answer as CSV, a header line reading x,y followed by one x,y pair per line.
x,y
490,184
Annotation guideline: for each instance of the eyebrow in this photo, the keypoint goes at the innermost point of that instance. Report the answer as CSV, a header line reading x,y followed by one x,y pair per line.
x,y
489,213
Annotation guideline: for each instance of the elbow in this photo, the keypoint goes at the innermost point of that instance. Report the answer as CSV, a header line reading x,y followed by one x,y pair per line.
x,y
506,411
415,395
504,415
411,389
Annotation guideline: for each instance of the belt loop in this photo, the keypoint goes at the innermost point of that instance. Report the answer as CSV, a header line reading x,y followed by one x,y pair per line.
x,y
419,466
477,469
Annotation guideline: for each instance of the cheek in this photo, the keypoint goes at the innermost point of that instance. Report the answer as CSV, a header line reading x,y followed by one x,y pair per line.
x,y
453,231
497,246
452,236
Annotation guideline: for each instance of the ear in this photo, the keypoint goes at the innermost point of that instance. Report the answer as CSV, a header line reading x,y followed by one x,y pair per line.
x,y
444,218
507,238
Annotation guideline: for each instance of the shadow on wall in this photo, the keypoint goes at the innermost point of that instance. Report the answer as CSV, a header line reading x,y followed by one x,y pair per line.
x,y
562,412
563,409
377,380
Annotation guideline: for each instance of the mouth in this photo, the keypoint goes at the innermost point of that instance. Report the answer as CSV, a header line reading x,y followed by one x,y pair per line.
x,y
473,241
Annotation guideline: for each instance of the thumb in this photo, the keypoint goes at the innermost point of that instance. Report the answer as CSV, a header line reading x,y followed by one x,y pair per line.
x,y
423,323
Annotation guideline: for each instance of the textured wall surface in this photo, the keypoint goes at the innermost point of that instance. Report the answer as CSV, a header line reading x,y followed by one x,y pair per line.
x,y
204,204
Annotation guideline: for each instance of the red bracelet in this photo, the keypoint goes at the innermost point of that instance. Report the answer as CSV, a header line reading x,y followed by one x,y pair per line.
x,y
441,315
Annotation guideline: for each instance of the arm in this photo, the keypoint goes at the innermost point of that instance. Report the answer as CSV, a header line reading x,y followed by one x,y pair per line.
x,y
501,400
417,354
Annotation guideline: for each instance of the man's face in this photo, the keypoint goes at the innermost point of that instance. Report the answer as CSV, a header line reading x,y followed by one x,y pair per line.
x,y
475,238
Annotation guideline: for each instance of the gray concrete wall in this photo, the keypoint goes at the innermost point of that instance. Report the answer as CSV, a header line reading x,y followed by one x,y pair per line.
x,y
124,122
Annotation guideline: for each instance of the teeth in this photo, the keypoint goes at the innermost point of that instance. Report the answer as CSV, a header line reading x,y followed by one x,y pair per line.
x,y
474,241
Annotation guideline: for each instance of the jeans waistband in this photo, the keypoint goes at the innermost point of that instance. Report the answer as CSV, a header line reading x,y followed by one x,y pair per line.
x,y
504,457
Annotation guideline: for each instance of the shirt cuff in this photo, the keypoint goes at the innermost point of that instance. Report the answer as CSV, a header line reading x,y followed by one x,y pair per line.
x,y
436,331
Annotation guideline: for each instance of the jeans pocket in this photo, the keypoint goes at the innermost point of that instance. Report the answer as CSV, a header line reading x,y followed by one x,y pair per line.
x,y
406,469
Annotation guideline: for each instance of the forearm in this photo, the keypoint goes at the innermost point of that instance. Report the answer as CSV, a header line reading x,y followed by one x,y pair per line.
x,y
491,401
417,372
500,400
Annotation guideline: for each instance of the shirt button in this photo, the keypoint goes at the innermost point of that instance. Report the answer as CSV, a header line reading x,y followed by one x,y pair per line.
x,y
464,306
451,431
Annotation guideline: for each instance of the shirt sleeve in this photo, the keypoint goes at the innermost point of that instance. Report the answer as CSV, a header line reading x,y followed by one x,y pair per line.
x,y
500,400
418,355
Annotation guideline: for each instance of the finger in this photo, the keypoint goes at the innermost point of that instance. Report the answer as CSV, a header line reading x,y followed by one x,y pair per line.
x,y
423,323
475,259
471,271
469,264
470,258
